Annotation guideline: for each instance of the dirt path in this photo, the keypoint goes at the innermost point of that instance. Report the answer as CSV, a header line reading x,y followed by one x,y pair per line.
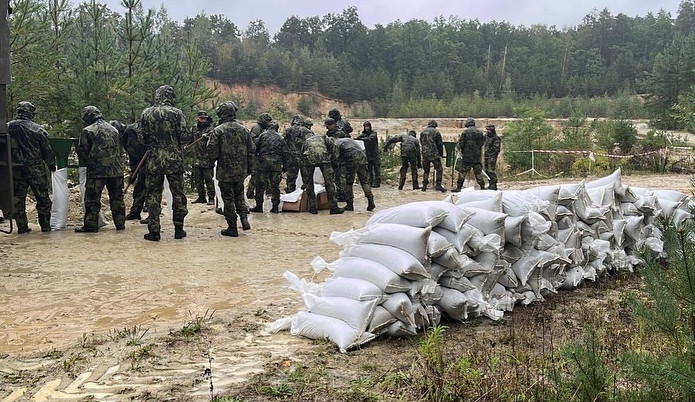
x,y
66,299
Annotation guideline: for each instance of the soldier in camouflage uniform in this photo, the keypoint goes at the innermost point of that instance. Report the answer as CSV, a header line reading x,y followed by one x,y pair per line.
x,y
410,156
271,158
342,125
261,125
371,147
101,152
202,169
33,158
319,151
493,145
470,144
231,146
164,133
130,140
354,160
432,151
294,139
334,131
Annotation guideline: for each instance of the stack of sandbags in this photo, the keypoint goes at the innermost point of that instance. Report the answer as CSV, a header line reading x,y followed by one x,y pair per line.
x,y
479,256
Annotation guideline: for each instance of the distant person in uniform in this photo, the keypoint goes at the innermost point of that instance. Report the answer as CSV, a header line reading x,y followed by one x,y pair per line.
x,y
371,147
470,144
101,152
33,158
493,145
337,129
271,158
164,134
432,149
261,125
319,152
202,168
294,136
354,160
410,157
131,141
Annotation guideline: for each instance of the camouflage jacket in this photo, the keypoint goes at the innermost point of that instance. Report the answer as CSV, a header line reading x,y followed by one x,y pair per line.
x,y
230,145
256,131
100,150
295,137
371,144
336,133
318,150
30,148
471,144
344,126
431,144
271,152
199,149
349,152
410,146
493,145
132,145
164,133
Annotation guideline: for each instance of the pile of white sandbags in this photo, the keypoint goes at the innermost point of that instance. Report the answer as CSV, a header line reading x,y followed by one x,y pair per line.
x,y
479,256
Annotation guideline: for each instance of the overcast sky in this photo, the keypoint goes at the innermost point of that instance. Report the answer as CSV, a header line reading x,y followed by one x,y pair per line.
x,y
559,13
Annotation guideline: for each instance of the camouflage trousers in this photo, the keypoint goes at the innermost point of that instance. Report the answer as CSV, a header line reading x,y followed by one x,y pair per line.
x,y
292,168
232,193
251,189
39,186
339,180
463,170
308,179
92,201
405,163
202,177
139,193
438,171
374,169
155,184
361,171
491,171
268,182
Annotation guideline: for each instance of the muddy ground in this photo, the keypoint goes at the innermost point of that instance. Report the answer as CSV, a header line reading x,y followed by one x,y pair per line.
x,y
110,316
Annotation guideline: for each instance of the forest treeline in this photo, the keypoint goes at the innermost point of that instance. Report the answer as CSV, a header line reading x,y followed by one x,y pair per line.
x,y
66,56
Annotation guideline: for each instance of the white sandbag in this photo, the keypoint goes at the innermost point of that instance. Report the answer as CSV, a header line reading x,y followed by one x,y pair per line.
x,y
633,227
563,211
568,193
508,279
357,314
401,307
425,291
512,253
535,225
407,238
573,278
490,203
436,270
469,194
679,217
484,282
437,244
357,289
619,231
414,214
315,326
457,264
669,207
671,195
614,179
548,196
360,268
603,196
400,329
654,244
302,286
491,243
525,267
461,284
281,324
488,222
646,204
518,203
455,218
381,319
458,239
501,298
397,260
61,199
454,304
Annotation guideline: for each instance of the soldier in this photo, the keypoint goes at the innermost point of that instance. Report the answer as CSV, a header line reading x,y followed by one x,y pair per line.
x,y
470,144
334,131
164,133
432,152
100,150
231,146
32,157
202,169
261,125
294,139
343,125
493,144
354,160
130,140
271,157
371,147
410,156
319,151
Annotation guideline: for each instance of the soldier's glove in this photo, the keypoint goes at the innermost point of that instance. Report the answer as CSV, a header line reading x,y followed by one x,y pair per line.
x,y
131,179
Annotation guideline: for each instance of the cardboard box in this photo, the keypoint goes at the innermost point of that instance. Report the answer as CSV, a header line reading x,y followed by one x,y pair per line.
x,y
322,201
298,206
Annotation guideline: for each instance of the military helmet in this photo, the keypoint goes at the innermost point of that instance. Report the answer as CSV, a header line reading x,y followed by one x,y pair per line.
x,y
26,107
265,118
469,122
412,133
490,126
307,122
296,119
273,125
226,109
202,113
334,114
90,114
367,123
165,94
329,121
432,123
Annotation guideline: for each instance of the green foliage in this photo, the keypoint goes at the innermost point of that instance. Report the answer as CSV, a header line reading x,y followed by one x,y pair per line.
x,y
306,105
196,324
615,135
530,132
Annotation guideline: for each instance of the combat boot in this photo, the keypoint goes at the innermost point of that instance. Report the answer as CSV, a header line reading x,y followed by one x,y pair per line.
x,y
259,205
276,208
439,187
349,206
152,236
401,182
83,229
179,233
313,211
424,187
416,186
199,200
244,221
370,203
337,211
231,230
459,184
23,230
132,216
